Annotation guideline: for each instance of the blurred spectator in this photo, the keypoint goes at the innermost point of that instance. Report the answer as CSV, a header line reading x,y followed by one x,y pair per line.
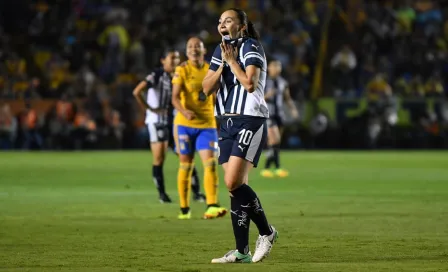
x,y
30,123
115,128
405,15
8,128
60,124
417,89
87,55
85,131
434,86
115,41
378,88
343,64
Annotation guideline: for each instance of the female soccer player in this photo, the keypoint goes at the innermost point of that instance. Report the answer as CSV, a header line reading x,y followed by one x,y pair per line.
x,y
276,95
238,73
158,117
195,129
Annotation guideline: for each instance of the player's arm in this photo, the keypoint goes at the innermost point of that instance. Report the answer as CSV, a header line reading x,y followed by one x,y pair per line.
x,y
270,93
292,107
175,98
253,61
269,90
140,89
211,82
248,79
138,94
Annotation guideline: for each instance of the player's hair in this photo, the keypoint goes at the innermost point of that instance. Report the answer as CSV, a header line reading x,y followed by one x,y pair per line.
x,y
250,32
167,51
194,36
272,59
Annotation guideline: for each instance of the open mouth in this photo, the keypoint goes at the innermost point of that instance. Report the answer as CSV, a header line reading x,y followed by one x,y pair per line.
x,y
224,32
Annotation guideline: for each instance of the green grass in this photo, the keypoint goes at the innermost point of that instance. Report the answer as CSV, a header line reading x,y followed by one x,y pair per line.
x,y
360,211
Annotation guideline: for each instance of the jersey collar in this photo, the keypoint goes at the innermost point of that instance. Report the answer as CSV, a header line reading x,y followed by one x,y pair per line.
x,y
235,42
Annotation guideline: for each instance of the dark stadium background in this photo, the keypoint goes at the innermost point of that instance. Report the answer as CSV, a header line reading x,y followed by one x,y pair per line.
x,y
67,68
364,74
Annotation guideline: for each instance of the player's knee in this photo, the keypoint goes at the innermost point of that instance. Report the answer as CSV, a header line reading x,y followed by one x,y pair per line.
x,y
159,159
232,182
273,140
185,168
211,165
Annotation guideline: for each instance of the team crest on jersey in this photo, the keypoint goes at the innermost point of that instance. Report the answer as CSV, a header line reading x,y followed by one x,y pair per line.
x,y
176,75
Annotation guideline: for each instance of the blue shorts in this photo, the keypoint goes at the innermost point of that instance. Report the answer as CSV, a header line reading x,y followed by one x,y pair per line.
x,y
190,139
242,136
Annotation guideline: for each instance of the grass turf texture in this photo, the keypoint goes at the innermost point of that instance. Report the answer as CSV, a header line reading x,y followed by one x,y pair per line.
x,y
336,212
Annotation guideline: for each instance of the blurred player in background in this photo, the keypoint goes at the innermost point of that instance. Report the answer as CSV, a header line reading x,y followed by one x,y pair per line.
x,y
276,96
159,118
195,130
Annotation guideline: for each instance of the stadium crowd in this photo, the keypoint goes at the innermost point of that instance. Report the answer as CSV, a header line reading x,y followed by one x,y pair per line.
x,y
86,57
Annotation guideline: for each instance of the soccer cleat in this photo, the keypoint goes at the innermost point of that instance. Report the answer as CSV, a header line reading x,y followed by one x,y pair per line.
x,y
267,173
281,173
215,212
164,198
183,216
234,256
263,245
199,197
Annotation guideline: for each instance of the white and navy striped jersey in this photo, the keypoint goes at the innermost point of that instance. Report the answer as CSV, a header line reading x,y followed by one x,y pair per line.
x,y
275,103
232,97
158,96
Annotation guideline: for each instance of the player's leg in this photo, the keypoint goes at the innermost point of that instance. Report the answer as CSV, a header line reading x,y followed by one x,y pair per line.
x,y
279,172
185,149
195,181
246,146
158,153
206,145
273,141
196,186
159,144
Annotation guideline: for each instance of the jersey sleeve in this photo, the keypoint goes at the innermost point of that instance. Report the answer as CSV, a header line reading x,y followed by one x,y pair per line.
x,y
253,54
216,60
178,78
151,80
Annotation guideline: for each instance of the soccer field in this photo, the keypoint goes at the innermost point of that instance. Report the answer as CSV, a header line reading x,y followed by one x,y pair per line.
x,y
98,211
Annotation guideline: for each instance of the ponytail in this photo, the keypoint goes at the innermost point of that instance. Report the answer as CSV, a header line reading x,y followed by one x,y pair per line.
x,y
252,32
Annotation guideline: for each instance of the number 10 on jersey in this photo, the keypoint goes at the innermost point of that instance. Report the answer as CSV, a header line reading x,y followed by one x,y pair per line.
x,y
245,136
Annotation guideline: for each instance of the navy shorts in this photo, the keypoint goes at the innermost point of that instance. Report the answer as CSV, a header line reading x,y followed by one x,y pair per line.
x,y
275,121
241,136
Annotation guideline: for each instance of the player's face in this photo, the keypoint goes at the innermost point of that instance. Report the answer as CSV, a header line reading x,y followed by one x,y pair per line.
x,y
274,68
170,62
229,24
195,49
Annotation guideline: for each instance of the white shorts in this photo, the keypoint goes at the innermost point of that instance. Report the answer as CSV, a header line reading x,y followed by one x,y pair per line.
x,y
158,132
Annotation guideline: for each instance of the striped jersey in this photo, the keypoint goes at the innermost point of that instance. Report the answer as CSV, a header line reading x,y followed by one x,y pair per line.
x,y
232,97
275,103
159,96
